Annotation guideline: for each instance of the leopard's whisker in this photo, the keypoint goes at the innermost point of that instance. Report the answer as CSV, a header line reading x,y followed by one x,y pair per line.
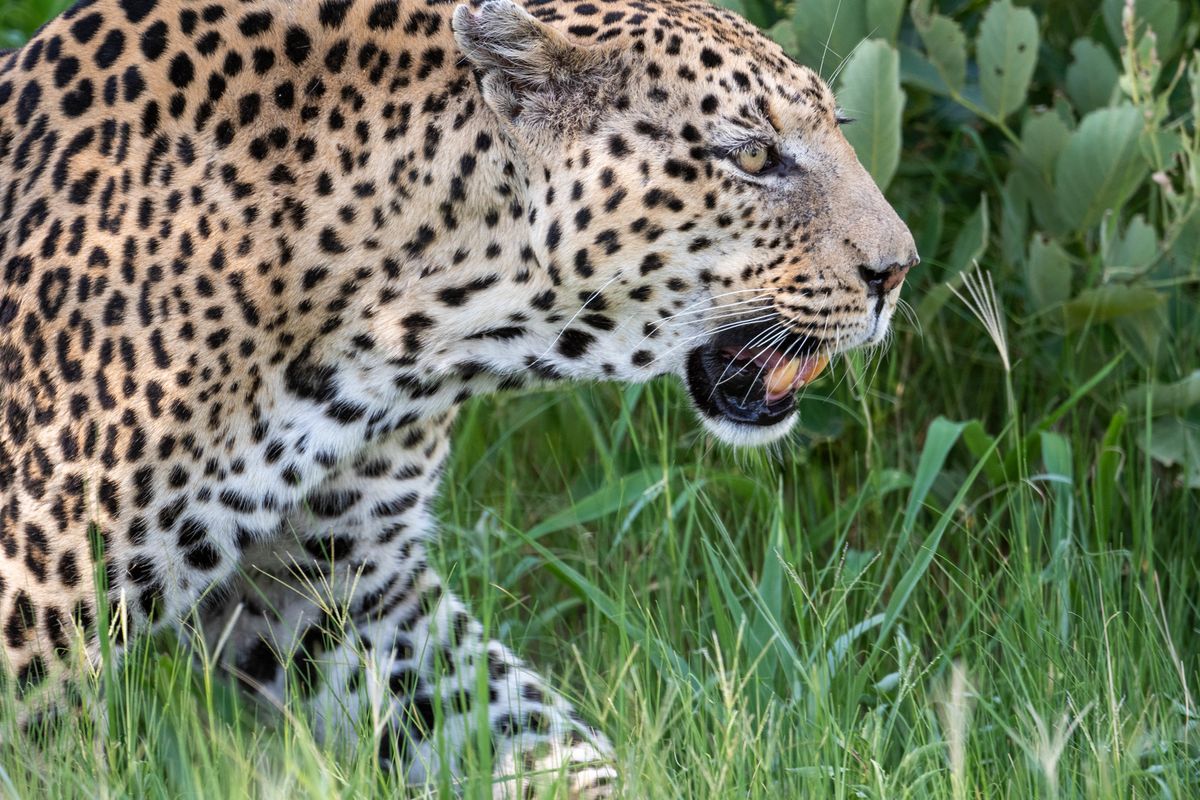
x,y
709,333
581,309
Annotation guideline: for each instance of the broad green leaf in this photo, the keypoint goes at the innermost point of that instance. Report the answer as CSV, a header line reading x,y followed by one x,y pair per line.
x,y
983,446
1133,249
1056,455
736,6
1100,166
1108,303
1047,273
1160,16
870,92
1161,148
784,34
945,45
760,12
919,72
1165,398
818,419
1014,219
883,19
1006,50
1184,254
1043,136
1144,333
1175,443
972,239
827,32
1092,76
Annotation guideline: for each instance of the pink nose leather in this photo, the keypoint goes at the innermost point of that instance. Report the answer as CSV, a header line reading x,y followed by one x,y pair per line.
x,y
895,276
882,281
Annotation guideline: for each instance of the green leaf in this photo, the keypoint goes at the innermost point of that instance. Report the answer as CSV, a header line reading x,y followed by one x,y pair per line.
x,y
1144,333
1108,303
761,12
1092,76
972,239
1161,148
1175,442
1043,137
1014,219
1006,50
983,446
827,32
1166,398
1184,254
1135,248
818,419
1047,273
945,45
883,19
784,34
870,92
1100,166
919,72
736,6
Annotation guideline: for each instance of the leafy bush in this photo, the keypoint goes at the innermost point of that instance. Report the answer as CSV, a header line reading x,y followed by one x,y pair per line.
x,y
1056,146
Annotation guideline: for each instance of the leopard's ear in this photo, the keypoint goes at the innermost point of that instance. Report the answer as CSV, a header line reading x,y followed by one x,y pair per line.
x,y
526,68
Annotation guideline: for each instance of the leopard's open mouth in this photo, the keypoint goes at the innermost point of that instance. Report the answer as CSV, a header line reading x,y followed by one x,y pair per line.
x,y
749,377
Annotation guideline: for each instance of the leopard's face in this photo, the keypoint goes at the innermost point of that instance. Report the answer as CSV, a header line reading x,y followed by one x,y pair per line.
x,y
693,189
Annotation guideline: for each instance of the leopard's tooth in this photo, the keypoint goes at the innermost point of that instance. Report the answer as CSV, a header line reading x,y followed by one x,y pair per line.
x,y
812,368
779,379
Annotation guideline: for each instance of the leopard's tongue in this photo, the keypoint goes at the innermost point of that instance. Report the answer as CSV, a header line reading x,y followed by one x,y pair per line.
x,y
785,375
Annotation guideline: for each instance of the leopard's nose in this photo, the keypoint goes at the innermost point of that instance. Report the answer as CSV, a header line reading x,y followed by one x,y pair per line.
x,y
881,280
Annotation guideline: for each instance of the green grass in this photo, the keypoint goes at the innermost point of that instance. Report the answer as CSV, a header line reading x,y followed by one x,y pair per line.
x,y
749,625
958,581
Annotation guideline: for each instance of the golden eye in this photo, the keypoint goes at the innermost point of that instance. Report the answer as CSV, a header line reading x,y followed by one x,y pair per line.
x,y
754,159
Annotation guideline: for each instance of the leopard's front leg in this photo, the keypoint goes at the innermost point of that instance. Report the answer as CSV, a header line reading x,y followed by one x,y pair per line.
x,y
436,665
378,644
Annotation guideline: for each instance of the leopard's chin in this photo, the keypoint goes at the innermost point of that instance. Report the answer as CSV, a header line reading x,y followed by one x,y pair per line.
x,y
738,435
744,392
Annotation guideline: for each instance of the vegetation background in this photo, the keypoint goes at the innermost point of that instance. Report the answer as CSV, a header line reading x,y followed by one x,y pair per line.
x,y
975,572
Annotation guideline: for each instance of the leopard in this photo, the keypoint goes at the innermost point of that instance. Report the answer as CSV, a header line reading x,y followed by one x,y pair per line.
x,y
255,255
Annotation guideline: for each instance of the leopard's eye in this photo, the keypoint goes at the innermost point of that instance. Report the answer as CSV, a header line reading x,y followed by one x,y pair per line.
x,y
755,159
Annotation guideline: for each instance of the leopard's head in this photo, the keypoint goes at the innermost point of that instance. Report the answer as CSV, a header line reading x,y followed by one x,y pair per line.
x,y
690,184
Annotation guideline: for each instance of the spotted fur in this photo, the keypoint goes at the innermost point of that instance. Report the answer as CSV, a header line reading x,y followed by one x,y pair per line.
x,y
253,255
